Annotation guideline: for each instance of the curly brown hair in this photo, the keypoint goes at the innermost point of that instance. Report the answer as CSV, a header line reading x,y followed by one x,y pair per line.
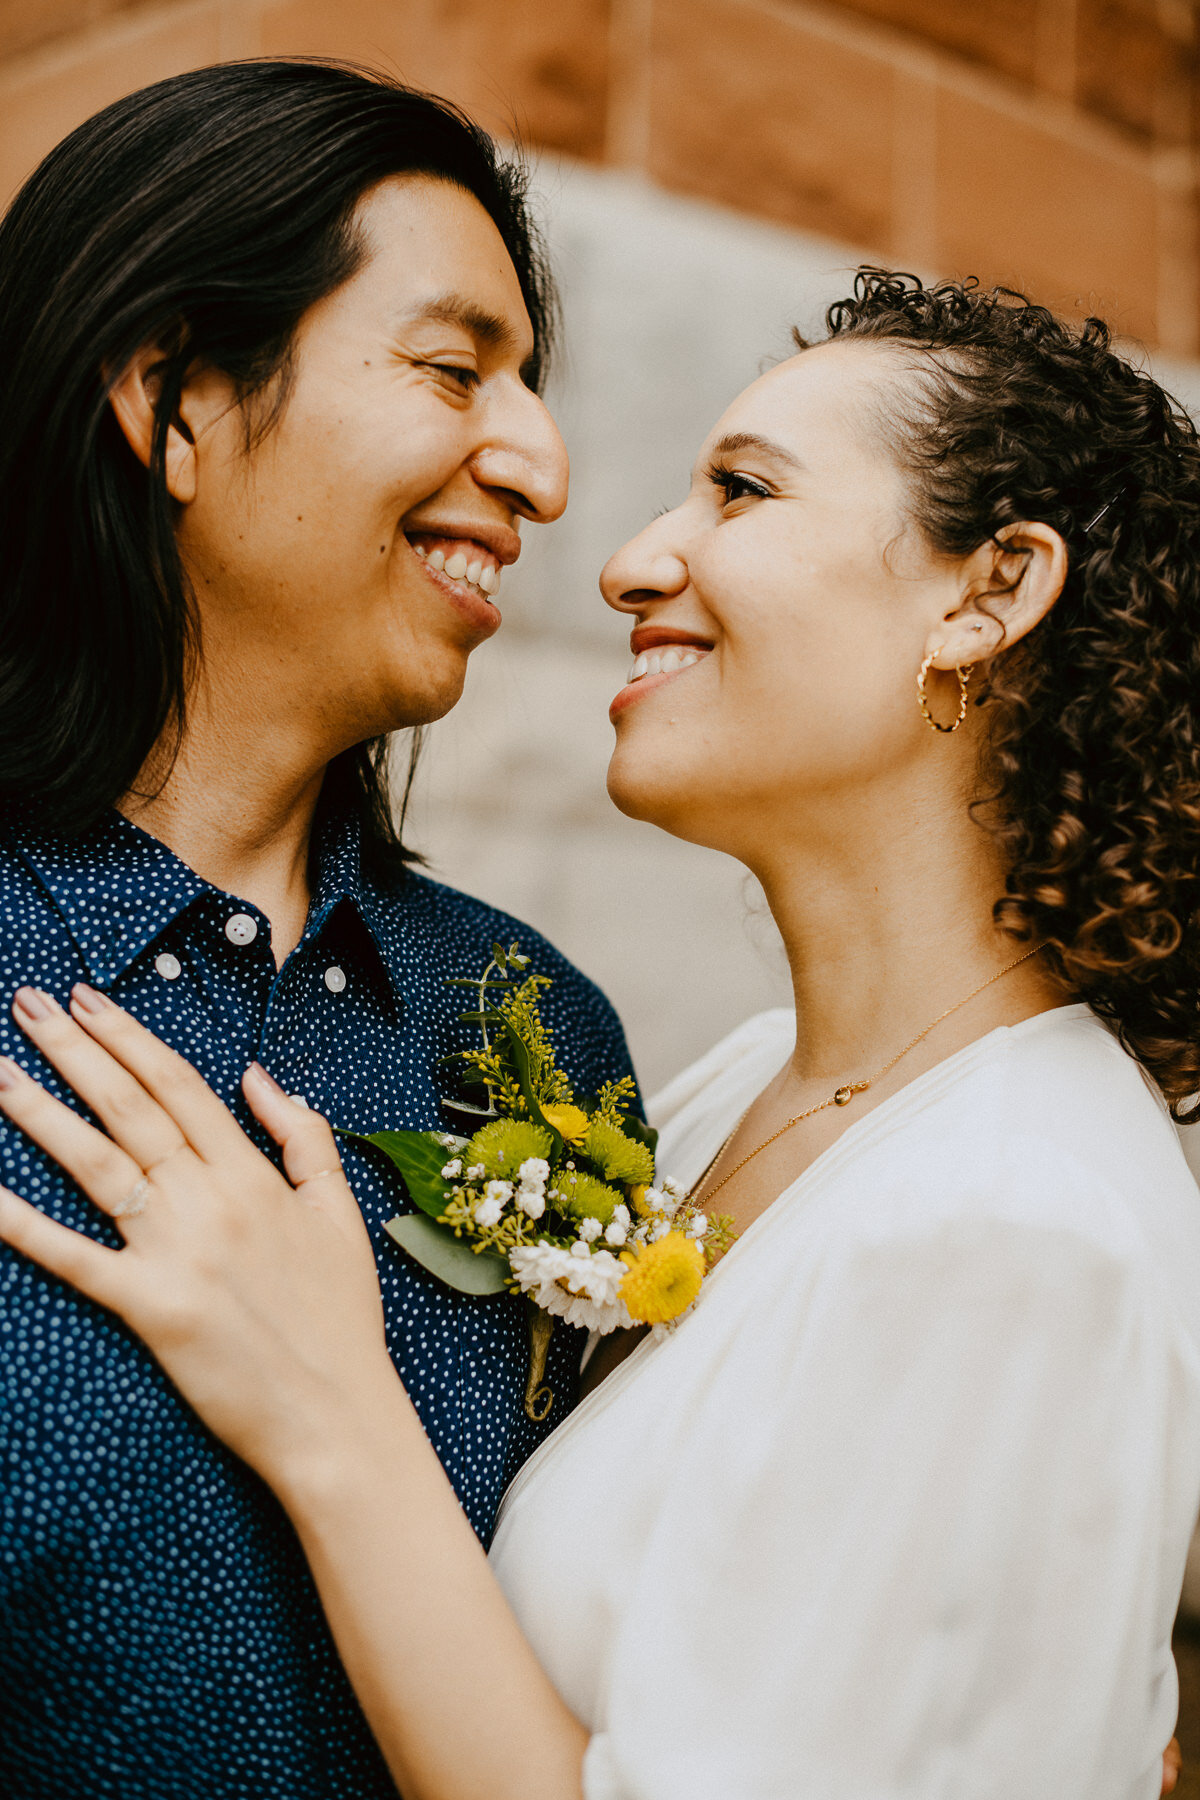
x,y
1091,782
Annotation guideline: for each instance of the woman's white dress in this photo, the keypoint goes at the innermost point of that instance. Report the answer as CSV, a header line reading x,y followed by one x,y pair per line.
x,y
900,1509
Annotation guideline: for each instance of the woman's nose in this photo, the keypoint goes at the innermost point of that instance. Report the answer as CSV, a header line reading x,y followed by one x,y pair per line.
x,y
525,455
650,567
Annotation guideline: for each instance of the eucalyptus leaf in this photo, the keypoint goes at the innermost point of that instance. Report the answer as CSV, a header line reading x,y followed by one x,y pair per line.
x,y
449,1258
419,1158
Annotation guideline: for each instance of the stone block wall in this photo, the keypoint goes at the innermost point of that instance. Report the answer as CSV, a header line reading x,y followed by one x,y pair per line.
x,y
1046,143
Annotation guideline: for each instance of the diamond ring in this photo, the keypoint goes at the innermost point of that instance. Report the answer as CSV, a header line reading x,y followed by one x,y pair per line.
x,y
134,1201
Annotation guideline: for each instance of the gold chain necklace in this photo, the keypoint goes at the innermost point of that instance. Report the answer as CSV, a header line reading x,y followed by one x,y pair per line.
x,y
844,1095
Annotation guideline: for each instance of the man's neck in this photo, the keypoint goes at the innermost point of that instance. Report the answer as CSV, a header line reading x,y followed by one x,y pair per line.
x,y
244,827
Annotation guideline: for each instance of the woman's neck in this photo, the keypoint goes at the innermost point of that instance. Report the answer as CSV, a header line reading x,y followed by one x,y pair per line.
x,y
887,929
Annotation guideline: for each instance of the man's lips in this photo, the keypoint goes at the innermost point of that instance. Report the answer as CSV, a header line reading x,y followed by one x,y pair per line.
x,y
488,536
469,585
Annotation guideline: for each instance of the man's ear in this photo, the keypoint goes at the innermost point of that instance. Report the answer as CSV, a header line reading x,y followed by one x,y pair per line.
x,y
1009,586
134,400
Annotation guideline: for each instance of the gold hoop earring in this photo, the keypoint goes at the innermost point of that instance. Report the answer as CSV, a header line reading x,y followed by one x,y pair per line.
x,y
964,676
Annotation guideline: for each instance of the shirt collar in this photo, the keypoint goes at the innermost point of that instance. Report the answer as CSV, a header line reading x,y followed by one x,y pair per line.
x,y
118,888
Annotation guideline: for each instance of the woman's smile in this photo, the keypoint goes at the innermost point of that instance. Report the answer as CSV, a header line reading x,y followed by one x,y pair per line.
x,y
660,654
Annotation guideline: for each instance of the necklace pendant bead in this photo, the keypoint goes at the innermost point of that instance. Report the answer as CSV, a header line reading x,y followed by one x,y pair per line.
x,y
843,1096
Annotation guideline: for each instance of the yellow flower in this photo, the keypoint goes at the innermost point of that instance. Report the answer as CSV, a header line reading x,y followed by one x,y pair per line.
x,y
637,1199
663,1279
571,1122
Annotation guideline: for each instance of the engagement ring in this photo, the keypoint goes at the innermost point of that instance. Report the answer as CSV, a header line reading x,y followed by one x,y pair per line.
x,y
134,1201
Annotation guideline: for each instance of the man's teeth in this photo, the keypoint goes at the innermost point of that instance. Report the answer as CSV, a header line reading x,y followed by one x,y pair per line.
x,y
478,573
664,662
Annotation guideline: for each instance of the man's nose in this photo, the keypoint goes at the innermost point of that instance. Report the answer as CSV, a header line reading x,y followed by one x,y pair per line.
x,y
528,459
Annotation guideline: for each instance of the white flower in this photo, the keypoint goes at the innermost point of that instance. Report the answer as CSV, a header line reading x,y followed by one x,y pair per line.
x,y
500,1191
589,1230
674,1188
621,1214
531,1203
534,1172
452,1169
654,1200
616,1233
698,1225
659,1229
476,1172
488,1213
578,1286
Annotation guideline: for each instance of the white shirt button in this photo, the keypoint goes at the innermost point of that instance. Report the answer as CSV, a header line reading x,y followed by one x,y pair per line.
x,y
335,979
168,966
241,929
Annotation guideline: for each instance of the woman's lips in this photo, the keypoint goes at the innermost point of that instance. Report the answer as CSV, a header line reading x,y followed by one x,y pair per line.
x,y
632,692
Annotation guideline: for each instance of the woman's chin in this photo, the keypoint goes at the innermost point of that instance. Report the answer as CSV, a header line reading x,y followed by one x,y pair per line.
x,y
655,795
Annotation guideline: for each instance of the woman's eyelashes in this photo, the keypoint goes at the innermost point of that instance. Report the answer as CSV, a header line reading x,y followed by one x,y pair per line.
x,y
736,486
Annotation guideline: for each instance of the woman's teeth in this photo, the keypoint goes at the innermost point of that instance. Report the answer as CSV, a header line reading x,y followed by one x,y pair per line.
x,y
664,662
479,574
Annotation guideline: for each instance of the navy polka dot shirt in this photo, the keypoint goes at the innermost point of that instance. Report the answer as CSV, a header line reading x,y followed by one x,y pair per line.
x,y
159,1632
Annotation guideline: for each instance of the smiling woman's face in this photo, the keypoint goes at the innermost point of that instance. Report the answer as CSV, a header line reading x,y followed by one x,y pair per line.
x,y
791,575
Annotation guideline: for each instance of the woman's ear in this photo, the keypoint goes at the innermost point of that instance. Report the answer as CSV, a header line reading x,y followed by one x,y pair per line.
x,y
1009,586
134,400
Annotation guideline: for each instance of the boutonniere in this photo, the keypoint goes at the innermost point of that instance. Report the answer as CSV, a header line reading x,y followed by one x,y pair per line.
x,y
545,1192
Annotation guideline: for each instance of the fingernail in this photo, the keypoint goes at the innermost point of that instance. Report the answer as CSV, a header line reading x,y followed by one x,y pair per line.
x,y
9,1073
32,1002
90,1000
257,1069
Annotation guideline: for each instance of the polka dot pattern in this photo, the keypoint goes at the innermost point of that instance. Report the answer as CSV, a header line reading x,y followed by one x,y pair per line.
x,y
159,1632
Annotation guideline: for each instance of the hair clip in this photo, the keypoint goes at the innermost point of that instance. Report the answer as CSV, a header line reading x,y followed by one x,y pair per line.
x,y
1110,502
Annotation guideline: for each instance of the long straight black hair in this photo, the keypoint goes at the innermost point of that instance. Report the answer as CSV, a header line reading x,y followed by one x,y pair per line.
x,y
206,213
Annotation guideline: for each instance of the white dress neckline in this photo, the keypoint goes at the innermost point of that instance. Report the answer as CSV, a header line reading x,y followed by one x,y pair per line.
x,y
859,1133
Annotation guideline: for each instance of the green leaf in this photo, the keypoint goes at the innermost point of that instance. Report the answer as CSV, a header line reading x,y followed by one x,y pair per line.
x,y
419,1158
520,1056
437,1249
500,958
469,981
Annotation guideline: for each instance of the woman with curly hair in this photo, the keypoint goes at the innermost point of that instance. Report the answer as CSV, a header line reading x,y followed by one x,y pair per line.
x,y
901,1507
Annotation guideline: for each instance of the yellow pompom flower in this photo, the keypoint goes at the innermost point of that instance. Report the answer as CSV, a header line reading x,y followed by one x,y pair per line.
x,y
571,1122
663,1280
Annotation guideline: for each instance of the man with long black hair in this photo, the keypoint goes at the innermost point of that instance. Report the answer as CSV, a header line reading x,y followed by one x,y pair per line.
x,y
271,342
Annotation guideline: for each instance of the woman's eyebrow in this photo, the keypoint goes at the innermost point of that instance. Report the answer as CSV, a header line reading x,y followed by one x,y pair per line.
x,y
735,441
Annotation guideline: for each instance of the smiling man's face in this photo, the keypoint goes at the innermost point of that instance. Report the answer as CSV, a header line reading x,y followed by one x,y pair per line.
x,y
355,553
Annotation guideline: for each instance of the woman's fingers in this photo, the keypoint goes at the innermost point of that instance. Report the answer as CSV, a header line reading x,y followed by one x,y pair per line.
x,y
310,1152
92,1268
181,1094
127,1111
105,1172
